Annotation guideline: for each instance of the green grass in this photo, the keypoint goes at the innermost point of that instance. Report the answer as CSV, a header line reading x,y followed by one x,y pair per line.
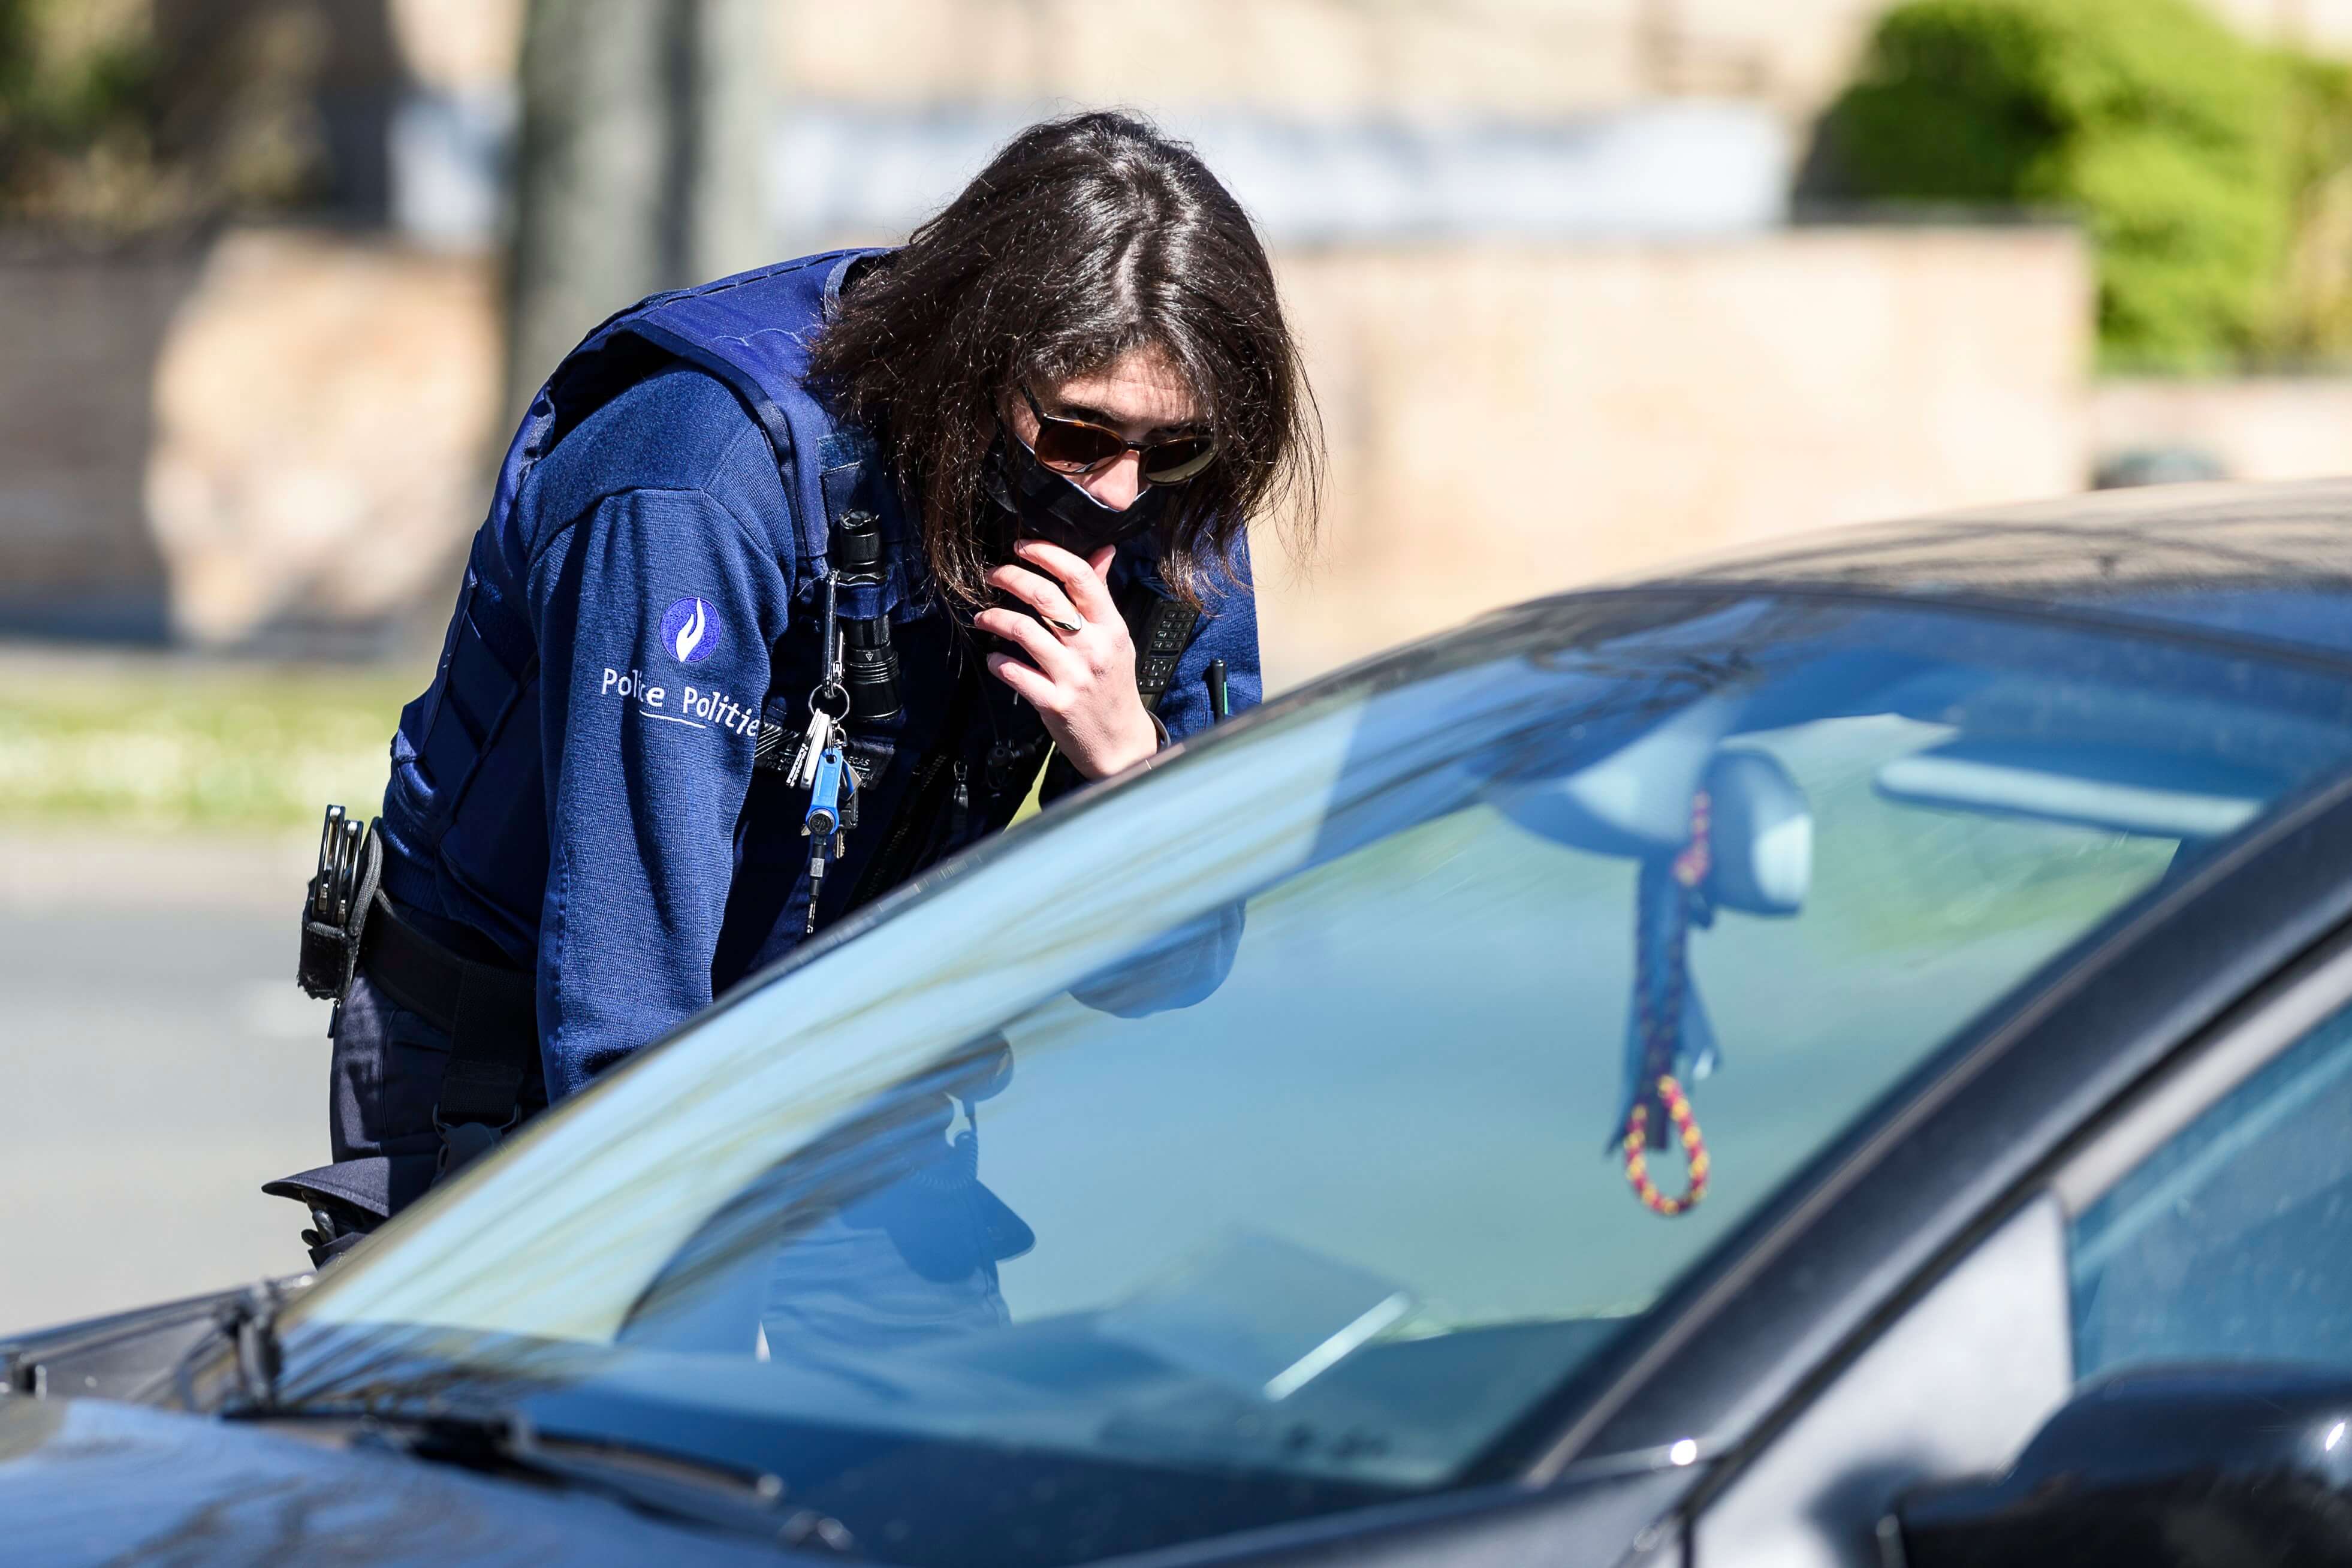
x,y
169,745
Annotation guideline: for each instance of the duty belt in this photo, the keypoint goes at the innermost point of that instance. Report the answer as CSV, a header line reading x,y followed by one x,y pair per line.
x,y
489,1012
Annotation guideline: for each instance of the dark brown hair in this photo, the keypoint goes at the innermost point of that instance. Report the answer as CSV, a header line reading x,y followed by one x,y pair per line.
x,y
1084,238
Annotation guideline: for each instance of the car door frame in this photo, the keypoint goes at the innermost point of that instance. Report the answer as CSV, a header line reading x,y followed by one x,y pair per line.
x,y
1786,1490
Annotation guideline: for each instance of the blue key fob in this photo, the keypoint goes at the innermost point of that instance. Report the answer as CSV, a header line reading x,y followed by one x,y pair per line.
x,y
824,796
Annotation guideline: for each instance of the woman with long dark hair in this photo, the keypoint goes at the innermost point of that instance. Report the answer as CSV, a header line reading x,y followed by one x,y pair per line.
x,y
791,585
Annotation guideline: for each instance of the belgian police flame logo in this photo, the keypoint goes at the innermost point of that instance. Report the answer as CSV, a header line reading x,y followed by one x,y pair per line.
x,y
689,629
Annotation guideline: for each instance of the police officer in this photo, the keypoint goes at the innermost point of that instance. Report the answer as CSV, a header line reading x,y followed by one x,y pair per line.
x,y
916,508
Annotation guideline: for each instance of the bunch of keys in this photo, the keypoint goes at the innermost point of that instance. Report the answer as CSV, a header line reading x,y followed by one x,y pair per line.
x,y
831,785
824,772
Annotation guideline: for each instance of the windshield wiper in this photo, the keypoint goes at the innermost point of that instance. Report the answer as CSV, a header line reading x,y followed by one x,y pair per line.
x,y
640,1476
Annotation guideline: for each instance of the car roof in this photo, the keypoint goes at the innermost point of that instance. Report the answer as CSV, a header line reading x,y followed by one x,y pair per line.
x,y
2269,562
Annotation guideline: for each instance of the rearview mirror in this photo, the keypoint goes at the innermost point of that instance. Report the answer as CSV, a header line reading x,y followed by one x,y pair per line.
x,y
2165,1467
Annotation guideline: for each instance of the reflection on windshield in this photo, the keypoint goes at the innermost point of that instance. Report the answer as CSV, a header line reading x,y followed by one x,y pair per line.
x,y
1265,1127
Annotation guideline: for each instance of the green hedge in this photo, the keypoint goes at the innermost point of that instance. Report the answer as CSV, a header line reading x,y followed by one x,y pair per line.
x,y
2151,119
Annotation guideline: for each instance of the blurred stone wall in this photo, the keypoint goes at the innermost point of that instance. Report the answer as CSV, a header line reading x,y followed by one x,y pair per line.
x,y
1510,421
2251,427
1498,58
322,411
76,558
1311,58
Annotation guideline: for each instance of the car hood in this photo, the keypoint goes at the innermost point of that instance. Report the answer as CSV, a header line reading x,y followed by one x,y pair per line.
x,y
92,1481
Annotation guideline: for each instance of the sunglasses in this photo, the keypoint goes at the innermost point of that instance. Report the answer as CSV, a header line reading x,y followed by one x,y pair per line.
x,y
1075,447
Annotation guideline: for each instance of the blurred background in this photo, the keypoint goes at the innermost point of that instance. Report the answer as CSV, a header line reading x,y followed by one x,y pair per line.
x,y
1585,284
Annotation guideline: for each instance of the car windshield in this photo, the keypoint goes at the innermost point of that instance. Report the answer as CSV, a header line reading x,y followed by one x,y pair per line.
x,y
1252,1140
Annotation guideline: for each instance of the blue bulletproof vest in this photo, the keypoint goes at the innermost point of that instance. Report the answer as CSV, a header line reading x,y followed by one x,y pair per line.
x,y
454,856
752,331
472,862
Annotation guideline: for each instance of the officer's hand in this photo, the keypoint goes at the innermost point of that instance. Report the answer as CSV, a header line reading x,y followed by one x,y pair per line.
x,y
1081,680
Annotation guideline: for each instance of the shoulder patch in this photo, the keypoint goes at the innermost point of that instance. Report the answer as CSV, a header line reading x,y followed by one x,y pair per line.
x,y
690,629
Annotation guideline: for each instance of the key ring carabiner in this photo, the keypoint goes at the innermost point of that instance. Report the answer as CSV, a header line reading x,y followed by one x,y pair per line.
x,y
832,690
830,698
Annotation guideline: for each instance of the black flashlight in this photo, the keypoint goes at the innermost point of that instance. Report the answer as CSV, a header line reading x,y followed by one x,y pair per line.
x,y
869,665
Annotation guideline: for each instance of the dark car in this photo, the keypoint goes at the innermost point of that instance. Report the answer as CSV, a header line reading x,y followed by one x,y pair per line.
x,y
1839,1056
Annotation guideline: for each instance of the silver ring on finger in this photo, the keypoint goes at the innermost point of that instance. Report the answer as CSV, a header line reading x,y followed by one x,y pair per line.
x,y
1067,629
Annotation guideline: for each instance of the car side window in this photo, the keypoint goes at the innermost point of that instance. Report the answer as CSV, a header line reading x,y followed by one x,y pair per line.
x,y
2232,1241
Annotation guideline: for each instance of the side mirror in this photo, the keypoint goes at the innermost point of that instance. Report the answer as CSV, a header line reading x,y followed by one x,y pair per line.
x,y
2166,1468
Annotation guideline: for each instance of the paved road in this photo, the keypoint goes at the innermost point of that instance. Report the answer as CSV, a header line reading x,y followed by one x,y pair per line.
x,y
157,1065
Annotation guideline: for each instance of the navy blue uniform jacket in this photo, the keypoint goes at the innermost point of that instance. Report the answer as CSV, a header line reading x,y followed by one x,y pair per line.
x,y
575,790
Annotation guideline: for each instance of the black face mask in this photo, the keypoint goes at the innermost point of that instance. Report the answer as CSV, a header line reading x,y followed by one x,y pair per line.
x,y
1045,505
